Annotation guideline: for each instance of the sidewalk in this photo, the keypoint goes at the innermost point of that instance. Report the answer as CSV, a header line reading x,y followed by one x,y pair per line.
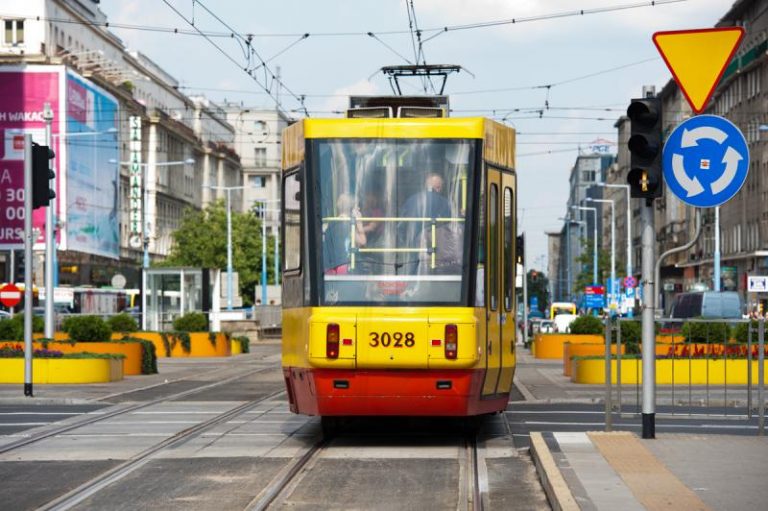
x,y
618,470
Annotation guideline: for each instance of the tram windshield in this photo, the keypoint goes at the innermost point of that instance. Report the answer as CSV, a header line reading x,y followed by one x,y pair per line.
x,y
393,220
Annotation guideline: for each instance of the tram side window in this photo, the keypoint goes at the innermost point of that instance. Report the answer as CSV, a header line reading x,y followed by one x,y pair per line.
x,y
509,263
292,201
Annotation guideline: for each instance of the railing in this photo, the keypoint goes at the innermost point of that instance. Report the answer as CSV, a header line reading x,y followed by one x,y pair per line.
x,y
704,367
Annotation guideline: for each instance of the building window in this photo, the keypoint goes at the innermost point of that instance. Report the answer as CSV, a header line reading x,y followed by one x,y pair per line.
x,y
260,157
14,32
256,181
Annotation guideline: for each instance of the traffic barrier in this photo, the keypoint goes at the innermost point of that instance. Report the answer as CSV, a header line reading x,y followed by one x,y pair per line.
x,y
63,370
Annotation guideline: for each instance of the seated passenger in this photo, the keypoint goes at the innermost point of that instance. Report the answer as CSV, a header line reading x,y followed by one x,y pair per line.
x,y
337,239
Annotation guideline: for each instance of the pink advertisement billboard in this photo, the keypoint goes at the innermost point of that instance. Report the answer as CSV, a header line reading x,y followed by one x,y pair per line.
x,y
23,93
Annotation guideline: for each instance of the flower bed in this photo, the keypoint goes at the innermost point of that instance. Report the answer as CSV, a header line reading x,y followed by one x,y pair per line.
x,y
51,366
581,350
669,371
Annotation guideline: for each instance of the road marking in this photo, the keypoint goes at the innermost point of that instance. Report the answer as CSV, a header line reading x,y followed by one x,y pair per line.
x,y
15,424
40,413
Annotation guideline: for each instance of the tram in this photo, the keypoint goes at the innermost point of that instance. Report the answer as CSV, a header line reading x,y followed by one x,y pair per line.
x,y
399,262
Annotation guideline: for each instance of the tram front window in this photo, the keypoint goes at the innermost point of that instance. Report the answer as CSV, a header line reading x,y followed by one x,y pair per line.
x,y
393,220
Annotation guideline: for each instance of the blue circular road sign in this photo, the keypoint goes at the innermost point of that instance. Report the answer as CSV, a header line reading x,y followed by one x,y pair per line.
x,y
705,161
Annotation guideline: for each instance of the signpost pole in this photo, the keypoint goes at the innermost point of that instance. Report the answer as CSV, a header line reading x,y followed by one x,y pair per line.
x,y
716,276
28,265
647,238
50,242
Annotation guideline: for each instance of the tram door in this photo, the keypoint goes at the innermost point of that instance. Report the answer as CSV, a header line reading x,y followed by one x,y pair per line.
x,y
507,280
493,286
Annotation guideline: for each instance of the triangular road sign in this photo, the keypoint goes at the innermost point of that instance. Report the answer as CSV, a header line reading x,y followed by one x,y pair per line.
x,y
698,58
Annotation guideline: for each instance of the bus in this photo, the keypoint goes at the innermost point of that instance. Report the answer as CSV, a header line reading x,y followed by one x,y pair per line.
x,y
561,308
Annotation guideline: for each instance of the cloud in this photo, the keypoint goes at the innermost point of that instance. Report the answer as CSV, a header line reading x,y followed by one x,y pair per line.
x,y
339,100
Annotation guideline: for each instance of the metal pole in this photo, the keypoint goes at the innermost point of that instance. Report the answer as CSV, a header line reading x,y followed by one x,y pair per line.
x,y
49,234
12,278
761,378
614,286
716,278
608,396
525,302
630,312
28,241
568,257
145,259
229,250
647,236
264,254
594,247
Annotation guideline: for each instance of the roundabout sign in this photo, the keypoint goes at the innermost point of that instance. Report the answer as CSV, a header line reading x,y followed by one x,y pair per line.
x,y
705,161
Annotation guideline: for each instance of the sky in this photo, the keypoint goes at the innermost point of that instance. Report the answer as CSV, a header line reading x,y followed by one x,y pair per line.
x,y
560,81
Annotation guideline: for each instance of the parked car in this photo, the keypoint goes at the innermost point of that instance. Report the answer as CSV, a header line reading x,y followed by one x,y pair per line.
x,y
547,326
707,304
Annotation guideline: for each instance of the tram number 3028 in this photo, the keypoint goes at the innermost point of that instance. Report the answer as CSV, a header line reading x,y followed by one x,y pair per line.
x,y
395,340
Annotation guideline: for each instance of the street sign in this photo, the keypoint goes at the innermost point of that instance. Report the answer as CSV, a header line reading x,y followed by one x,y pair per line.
x,y
594,297
757,284
698,58
630,282
10,295
705,161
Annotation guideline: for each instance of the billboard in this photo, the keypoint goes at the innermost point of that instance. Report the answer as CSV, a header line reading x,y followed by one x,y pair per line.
x,y
93,174
23,93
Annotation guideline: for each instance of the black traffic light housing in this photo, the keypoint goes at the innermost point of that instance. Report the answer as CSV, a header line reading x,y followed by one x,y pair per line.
x,y
520,249
645,146
41,175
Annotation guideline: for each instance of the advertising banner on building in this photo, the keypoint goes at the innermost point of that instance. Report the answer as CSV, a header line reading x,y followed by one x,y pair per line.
x,y
23,93
93,172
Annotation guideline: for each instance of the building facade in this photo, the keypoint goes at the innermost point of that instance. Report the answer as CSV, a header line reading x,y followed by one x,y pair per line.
x,y
179,145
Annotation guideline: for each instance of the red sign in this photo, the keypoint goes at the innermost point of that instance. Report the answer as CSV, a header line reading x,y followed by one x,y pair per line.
x,y
10,295
594,290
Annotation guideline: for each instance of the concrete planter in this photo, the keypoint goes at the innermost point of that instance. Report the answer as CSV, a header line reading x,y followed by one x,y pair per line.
x,y
172,345
582,350
550,346
63,370
131,350
668,371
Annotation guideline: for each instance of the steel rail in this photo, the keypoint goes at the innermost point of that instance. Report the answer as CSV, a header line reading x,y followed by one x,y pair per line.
x,y
89,419
105,479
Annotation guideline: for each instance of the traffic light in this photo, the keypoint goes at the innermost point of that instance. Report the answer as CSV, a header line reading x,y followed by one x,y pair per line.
x,y
520,249
18,271
645,144
41,175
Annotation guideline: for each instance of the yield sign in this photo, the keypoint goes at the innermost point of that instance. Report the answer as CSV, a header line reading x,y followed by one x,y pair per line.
x,y
698,58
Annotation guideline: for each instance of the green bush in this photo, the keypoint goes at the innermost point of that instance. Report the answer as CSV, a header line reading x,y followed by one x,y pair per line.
x,y
245,343
191,322
705,332
13,329
631,334
122,322
587,325
148,354
87,329
740,332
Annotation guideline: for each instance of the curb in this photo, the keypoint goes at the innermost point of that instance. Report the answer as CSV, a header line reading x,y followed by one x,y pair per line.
x,y
558,493
43,401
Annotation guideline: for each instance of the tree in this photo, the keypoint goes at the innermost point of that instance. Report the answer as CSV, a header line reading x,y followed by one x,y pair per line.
x,y
201,241
538,286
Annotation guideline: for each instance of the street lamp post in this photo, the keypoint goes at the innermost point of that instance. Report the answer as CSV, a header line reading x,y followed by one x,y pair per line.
x,y
568,221
613,246
629,232
229,190
594,244
264,210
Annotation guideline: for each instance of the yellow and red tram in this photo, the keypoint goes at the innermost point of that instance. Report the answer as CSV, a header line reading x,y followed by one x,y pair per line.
x,y
399,266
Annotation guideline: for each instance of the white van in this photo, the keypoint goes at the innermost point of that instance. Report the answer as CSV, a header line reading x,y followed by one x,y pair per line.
x,y
563,322
707,304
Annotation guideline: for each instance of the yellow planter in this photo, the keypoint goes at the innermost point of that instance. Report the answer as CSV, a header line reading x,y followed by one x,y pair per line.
x,y
63,370
668,371
583,350
131,350
550,346
235,347
200,344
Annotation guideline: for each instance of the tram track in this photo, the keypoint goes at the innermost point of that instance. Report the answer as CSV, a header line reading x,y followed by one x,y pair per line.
x,y
122,410
113,475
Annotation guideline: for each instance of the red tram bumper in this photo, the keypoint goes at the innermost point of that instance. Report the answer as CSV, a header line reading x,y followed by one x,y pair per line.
x,y
389,392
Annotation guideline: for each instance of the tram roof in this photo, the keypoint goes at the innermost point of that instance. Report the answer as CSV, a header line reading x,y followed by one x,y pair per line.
x,y
468,127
